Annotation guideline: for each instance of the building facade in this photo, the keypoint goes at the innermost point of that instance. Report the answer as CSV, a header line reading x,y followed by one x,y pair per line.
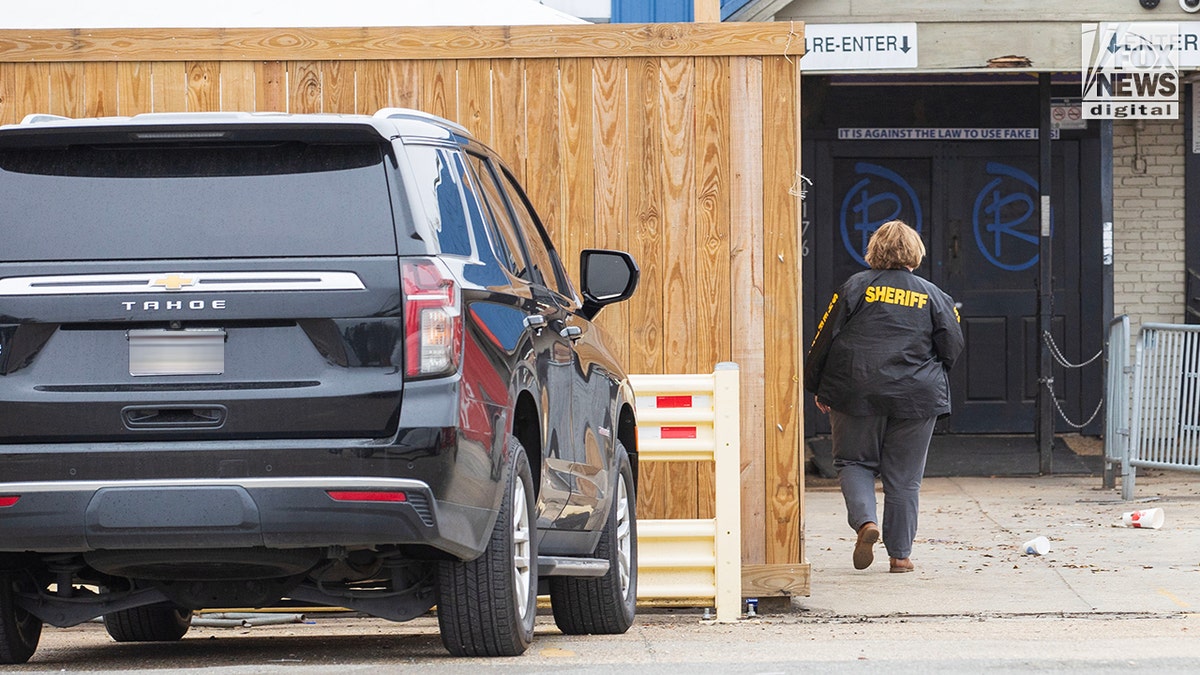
x,y
929,111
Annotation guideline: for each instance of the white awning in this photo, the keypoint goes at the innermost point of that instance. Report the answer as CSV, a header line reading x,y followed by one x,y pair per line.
x,y
30,14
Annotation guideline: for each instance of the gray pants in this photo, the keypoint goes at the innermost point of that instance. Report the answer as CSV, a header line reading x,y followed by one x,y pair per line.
x,y
889,448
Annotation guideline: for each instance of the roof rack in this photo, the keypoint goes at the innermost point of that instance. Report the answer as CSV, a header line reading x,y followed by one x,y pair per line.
x,y
38,118
410,114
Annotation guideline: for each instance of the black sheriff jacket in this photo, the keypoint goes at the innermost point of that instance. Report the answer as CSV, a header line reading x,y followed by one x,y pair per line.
x,y
885,346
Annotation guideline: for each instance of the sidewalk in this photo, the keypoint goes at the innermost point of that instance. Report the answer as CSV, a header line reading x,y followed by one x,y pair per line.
x,y
967,558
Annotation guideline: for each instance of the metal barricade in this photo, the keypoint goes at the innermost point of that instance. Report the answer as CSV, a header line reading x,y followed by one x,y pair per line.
x,y
1164,430
693,418
1119,384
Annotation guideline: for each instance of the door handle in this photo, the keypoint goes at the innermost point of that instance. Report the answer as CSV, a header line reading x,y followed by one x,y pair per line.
x,y
535,321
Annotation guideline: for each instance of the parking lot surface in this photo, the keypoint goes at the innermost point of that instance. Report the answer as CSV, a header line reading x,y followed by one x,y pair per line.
x,y
1104,599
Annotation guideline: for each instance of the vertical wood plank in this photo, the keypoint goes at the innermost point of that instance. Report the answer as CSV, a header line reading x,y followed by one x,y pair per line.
x,y
169,86
645,213
509,131
679,299
66,89
610,149
373,82
748,342
798,553
33,89
27,89
270,86
713,216
578,170
24,89
406,85
134,94
707,11
645,205
475,98
9,106
712,235
304,87
439,88
238,86
387,84
678,181
337,87
544,163
780,172
203,86
100,89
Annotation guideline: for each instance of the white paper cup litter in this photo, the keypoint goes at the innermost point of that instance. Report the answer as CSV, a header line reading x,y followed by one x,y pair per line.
x,y
1150,519
1036,546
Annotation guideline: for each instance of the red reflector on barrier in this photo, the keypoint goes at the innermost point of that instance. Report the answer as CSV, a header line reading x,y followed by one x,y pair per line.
x,y
678,432
673,402
366,496
9,500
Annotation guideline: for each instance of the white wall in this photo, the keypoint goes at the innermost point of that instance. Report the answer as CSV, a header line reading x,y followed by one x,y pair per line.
x,y
596,11
1149,273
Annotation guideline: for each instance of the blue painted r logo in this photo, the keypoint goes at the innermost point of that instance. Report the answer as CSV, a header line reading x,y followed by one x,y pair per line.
x,y
871,202
1002,206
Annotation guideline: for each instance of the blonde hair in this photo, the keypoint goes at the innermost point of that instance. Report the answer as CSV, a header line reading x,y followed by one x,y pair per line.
x,y
894,246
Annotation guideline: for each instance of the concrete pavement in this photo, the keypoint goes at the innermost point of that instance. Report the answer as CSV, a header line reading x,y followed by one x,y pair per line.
x,y
968,560
1104,600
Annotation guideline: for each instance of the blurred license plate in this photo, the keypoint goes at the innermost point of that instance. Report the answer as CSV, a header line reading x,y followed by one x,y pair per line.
x,y
198,351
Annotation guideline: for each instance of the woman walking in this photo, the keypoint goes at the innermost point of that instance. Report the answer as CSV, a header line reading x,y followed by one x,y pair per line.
x,y
878,367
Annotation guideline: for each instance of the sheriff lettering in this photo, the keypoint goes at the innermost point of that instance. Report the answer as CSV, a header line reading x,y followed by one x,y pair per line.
x,y
896,296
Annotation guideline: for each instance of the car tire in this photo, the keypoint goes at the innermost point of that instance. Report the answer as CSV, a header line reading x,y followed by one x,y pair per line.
x,y
19,630
487,606
605,605
153,623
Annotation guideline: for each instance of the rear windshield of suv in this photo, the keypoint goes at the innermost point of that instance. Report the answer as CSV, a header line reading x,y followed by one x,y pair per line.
x,y
125,202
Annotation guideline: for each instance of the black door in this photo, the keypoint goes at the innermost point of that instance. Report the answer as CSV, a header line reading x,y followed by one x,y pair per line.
x,y
975,205
991,266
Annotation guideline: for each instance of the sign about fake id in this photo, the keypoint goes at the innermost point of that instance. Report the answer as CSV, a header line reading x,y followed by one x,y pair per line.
x,y
1131,70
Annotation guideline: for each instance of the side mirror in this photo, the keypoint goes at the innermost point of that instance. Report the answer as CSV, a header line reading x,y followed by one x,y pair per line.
x,y
608,277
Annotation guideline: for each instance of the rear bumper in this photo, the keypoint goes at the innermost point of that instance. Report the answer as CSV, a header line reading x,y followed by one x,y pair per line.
x,y
81,516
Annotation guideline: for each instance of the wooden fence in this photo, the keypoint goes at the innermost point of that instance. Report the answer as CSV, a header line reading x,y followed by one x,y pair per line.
x,y
676,142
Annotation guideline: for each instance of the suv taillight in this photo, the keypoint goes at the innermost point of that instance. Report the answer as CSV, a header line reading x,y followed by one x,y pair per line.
x,y
432,321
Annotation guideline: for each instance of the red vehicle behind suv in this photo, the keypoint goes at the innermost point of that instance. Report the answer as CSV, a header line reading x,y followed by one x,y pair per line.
x,y
333,359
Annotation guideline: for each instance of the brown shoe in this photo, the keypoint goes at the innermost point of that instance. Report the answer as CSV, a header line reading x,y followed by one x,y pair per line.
x,y
868,534
900,565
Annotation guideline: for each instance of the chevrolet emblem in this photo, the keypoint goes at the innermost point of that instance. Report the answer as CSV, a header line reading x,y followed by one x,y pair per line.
x,y
173,282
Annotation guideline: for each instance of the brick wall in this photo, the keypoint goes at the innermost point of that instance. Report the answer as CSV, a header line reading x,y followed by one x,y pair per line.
x,y
1148,191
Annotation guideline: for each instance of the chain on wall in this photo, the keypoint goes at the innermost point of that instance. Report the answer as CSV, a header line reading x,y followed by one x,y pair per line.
x,y
1062,361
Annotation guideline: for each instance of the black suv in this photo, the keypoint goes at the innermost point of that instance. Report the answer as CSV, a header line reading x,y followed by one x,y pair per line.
x,y
253,359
